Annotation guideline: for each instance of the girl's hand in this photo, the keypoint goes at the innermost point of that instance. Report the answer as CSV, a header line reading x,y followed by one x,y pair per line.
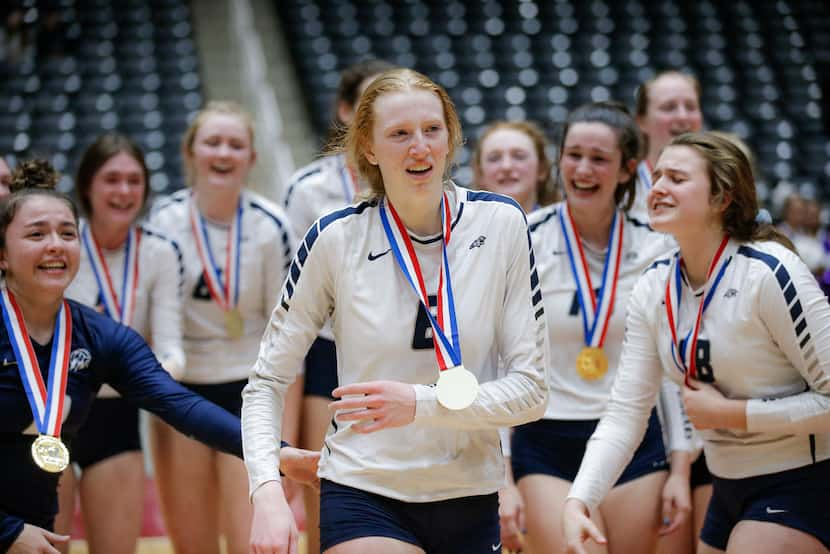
x,y
375,405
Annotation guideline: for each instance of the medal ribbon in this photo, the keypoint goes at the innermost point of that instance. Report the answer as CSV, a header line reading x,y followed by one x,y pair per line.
x,y
46,399
123,311
687,358
224,292
596,309
447,349
644,171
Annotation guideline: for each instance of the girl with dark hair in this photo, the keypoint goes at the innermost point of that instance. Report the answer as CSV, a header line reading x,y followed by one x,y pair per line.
x,y
133,274
736,318
57,353
590,254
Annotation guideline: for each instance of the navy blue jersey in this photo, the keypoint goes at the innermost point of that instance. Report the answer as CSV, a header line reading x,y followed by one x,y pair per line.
x,y
102,351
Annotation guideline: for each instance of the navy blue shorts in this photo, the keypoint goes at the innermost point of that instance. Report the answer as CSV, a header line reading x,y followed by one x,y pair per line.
x,y
556,447
227,395
796,498
320,369
110,429
468,525
699,475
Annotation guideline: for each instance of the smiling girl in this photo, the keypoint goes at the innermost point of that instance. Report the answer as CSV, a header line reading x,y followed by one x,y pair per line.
x,y
590,253
511,159
133,275
737,319
236,247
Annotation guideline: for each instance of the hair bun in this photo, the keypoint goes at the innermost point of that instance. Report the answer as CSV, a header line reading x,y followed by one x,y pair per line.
x,y
34,174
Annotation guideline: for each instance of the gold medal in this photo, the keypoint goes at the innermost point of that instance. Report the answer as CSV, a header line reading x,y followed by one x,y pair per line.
x,y
50,454
234,324
592,363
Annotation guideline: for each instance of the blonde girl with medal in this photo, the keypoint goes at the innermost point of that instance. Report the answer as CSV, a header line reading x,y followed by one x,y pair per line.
x,y
57,353
737,320
589,254
132,274
328,183
236,247
429,286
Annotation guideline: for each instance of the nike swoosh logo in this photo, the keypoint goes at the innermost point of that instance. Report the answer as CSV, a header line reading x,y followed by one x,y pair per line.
x,y
495,547
774,511
8,363
373,257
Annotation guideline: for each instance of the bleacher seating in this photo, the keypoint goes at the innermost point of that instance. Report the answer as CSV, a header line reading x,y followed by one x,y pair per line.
x,y
760,63
129,66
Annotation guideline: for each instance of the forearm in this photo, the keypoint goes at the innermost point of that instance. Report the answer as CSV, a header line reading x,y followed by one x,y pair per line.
x,y
808,412
262,410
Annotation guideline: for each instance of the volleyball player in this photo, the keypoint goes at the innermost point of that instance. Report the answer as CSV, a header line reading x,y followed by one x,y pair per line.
x,y
408,466
236,247
666,106
737,317
132,274
590,253
57,353
511,158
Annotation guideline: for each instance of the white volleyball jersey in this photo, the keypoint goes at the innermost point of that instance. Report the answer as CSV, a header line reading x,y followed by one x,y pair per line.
x,y
765,337
345,269
321,187
265,251
574,398
158,294
639,209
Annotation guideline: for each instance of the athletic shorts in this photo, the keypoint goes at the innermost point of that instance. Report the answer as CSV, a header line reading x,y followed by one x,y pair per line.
x,y
468,525
699,475
110,429
320,369
556,447
227,395
795,498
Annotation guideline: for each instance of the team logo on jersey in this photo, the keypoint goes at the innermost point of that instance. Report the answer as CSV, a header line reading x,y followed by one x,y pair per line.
x,y
79,359
478,243
730,293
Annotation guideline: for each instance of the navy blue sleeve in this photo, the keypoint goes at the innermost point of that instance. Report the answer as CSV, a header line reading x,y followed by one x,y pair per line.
x,y
136,374
10,529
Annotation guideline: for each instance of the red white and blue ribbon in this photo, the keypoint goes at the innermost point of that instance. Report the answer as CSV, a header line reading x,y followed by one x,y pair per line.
x,y
687,360
223,285
45,398
119,307
596,308
644,172
444,327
